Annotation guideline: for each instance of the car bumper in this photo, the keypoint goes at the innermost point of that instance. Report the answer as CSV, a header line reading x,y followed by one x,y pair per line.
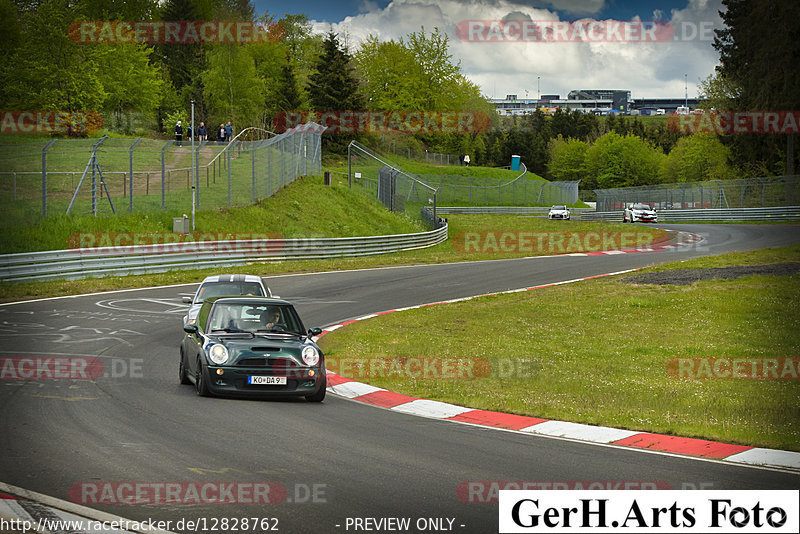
x,y
233,382
558,216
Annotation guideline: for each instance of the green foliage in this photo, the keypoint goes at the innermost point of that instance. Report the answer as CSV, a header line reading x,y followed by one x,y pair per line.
x,y
129,80
695,158
759,51
49,71
567,160
233,90
334,87
390,75
288,93
619,161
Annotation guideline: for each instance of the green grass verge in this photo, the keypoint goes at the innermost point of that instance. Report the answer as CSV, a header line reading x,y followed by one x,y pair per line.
x,y
595,352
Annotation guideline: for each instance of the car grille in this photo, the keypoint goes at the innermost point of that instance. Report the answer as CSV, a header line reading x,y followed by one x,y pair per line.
x,y
267,362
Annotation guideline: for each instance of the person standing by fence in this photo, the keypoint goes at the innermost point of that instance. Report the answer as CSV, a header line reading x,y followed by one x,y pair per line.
x,y
178,133
466,160
228,132
221,134
202,133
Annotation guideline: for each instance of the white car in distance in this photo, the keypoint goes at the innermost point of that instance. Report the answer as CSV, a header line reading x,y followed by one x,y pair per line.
x,y
558,212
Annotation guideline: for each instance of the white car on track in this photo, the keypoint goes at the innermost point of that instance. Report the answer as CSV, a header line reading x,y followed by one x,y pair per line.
x,y
639,213
558,212
220,285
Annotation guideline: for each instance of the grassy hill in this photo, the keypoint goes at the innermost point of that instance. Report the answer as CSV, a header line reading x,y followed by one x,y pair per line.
x,y
305,208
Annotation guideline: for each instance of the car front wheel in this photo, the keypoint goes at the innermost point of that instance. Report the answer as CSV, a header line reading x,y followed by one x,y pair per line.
x,y
319,395
200,380
184,376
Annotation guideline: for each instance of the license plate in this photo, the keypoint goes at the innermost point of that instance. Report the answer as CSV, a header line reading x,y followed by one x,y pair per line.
x,y
267,380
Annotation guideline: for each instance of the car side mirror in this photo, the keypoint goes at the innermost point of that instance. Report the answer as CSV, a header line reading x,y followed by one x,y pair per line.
x,y
314,331
190,328
186,300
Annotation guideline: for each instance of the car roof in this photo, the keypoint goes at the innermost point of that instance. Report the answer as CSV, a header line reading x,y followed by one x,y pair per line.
x,y
238,299
232,278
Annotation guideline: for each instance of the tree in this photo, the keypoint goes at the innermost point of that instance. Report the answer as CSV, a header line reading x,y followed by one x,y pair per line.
x,y
183,62
696,158
130,81
759,53
233,90
52,72
619,161
333,87
390,75
568,160
289,97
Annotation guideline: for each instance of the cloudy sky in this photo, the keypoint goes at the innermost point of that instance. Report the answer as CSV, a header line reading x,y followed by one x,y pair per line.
x,y
647,69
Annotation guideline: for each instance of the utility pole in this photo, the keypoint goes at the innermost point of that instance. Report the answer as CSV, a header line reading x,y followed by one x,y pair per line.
x,y
194,171
686,90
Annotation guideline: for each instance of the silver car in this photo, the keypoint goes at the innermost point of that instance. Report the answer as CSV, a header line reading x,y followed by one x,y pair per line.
x,y
220,285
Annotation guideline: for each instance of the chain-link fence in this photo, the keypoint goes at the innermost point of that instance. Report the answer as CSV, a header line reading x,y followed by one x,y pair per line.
x,y
393,186
443,159
417,152
141,175
455,190
521,191
762,192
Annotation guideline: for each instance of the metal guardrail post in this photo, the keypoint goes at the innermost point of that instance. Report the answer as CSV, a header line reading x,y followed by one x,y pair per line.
x,y
44,176
130,157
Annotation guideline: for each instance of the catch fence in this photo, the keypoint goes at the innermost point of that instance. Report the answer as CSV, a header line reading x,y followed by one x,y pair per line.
x,y
522,190
109,175
763,192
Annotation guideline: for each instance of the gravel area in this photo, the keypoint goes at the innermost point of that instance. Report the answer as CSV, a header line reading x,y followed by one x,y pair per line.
x,y
688,276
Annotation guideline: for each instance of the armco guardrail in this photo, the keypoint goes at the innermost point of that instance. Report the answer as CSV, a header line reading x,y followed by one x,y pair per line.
x,y
79,263
789,213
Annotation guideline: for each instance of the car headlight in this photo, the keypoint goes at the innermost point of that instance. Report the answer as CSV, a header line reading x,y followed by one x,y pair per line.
x,y
218,354
310,355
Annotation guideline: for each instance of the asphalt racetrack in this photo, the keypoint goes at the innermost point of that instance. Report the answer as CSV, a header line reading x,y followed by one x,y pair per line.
x,y
76,439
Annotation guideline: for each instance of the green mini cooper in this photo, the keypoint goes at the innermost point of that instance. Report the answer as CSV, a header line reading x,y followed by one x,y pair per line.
x,y
253,347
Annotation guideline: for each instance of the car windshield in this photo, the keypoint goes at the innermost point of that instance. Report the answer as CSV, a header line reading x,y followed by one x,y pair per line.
x,y
254,318
641,207
220,289
558,208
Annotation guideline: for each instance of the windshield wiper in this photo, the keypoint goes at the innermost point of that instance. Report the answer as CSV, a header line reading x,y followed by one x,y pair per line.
x,y
280,332
231,331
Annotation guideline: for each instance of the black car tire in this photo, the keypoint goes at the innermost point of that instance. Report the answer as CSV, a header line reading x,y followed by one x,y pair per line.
x,y
201,380
319,395
184,377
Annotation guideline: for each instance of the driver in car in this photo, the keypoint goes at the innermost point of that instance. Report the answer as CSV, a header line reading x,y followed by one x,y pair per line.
x,y
272,319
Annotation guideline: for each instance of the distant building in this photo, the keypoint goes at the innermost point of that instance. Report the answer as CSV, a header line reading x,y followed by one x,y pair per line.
x,y
598,101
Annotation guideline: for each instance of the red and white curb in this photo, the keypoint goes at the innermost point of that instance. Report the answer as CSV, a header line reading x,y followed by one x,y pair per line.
x,y
693,447
26,511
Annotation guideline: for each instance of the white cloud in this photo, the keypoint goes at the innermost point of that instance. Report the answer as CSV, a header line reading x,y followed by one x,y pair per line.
x,y
647,69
